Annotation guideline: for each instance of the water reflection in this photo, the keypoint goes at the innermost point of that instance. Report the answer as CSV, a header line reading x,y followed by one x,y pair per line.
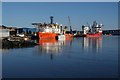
x,y
93,44
44,60
50,46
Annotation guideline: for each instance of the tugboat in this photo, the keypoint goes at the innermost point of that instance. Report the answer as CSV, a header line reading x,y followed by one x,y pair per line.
x,y
52,31
96,30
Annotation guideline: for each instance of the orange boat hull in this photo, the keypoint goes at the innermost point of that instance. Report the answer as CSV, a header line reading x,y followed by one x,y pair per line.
x,y
52,35
94,35
47,35
68,37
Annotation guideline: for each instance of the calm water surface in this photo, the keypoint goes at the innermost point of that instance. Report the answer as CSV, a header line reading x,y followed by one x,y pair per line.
x,y
79,57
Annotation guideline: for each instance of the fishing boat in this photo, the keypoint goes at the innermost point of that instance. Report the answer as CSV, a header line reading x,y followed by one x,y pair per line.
x,y
52,31
94,31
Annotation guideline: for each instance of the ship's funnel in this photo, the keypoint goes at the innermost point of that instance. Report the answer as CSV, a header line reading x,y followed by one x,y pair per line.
x,y
51,18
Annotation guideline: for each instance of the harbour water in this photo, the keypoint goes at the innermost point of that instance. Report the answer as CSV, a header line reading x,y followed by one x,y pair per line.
x,y
74,58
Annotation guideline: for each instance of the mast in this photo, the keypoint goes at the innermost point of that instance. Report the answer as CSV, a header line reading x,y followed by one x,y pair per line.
x,y
70,24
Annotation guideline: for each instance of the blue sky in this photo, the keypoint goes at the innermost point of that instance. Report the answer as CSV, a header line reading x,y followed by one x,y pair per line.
x,y
60,0
22,14
0,13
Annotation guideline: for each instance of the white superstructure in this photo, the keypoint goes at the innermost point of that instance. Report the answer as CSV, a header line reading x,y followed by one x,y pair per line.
x,y
85,29
4,33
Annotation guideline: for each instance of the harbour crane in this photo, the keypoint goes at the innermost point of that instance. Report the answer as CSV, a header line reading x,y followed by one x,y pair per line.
x,y
70,25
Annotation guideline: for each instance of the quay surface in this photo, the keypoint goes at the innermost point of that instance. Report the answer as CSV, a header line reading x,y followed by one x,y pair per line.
x,y
6,44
